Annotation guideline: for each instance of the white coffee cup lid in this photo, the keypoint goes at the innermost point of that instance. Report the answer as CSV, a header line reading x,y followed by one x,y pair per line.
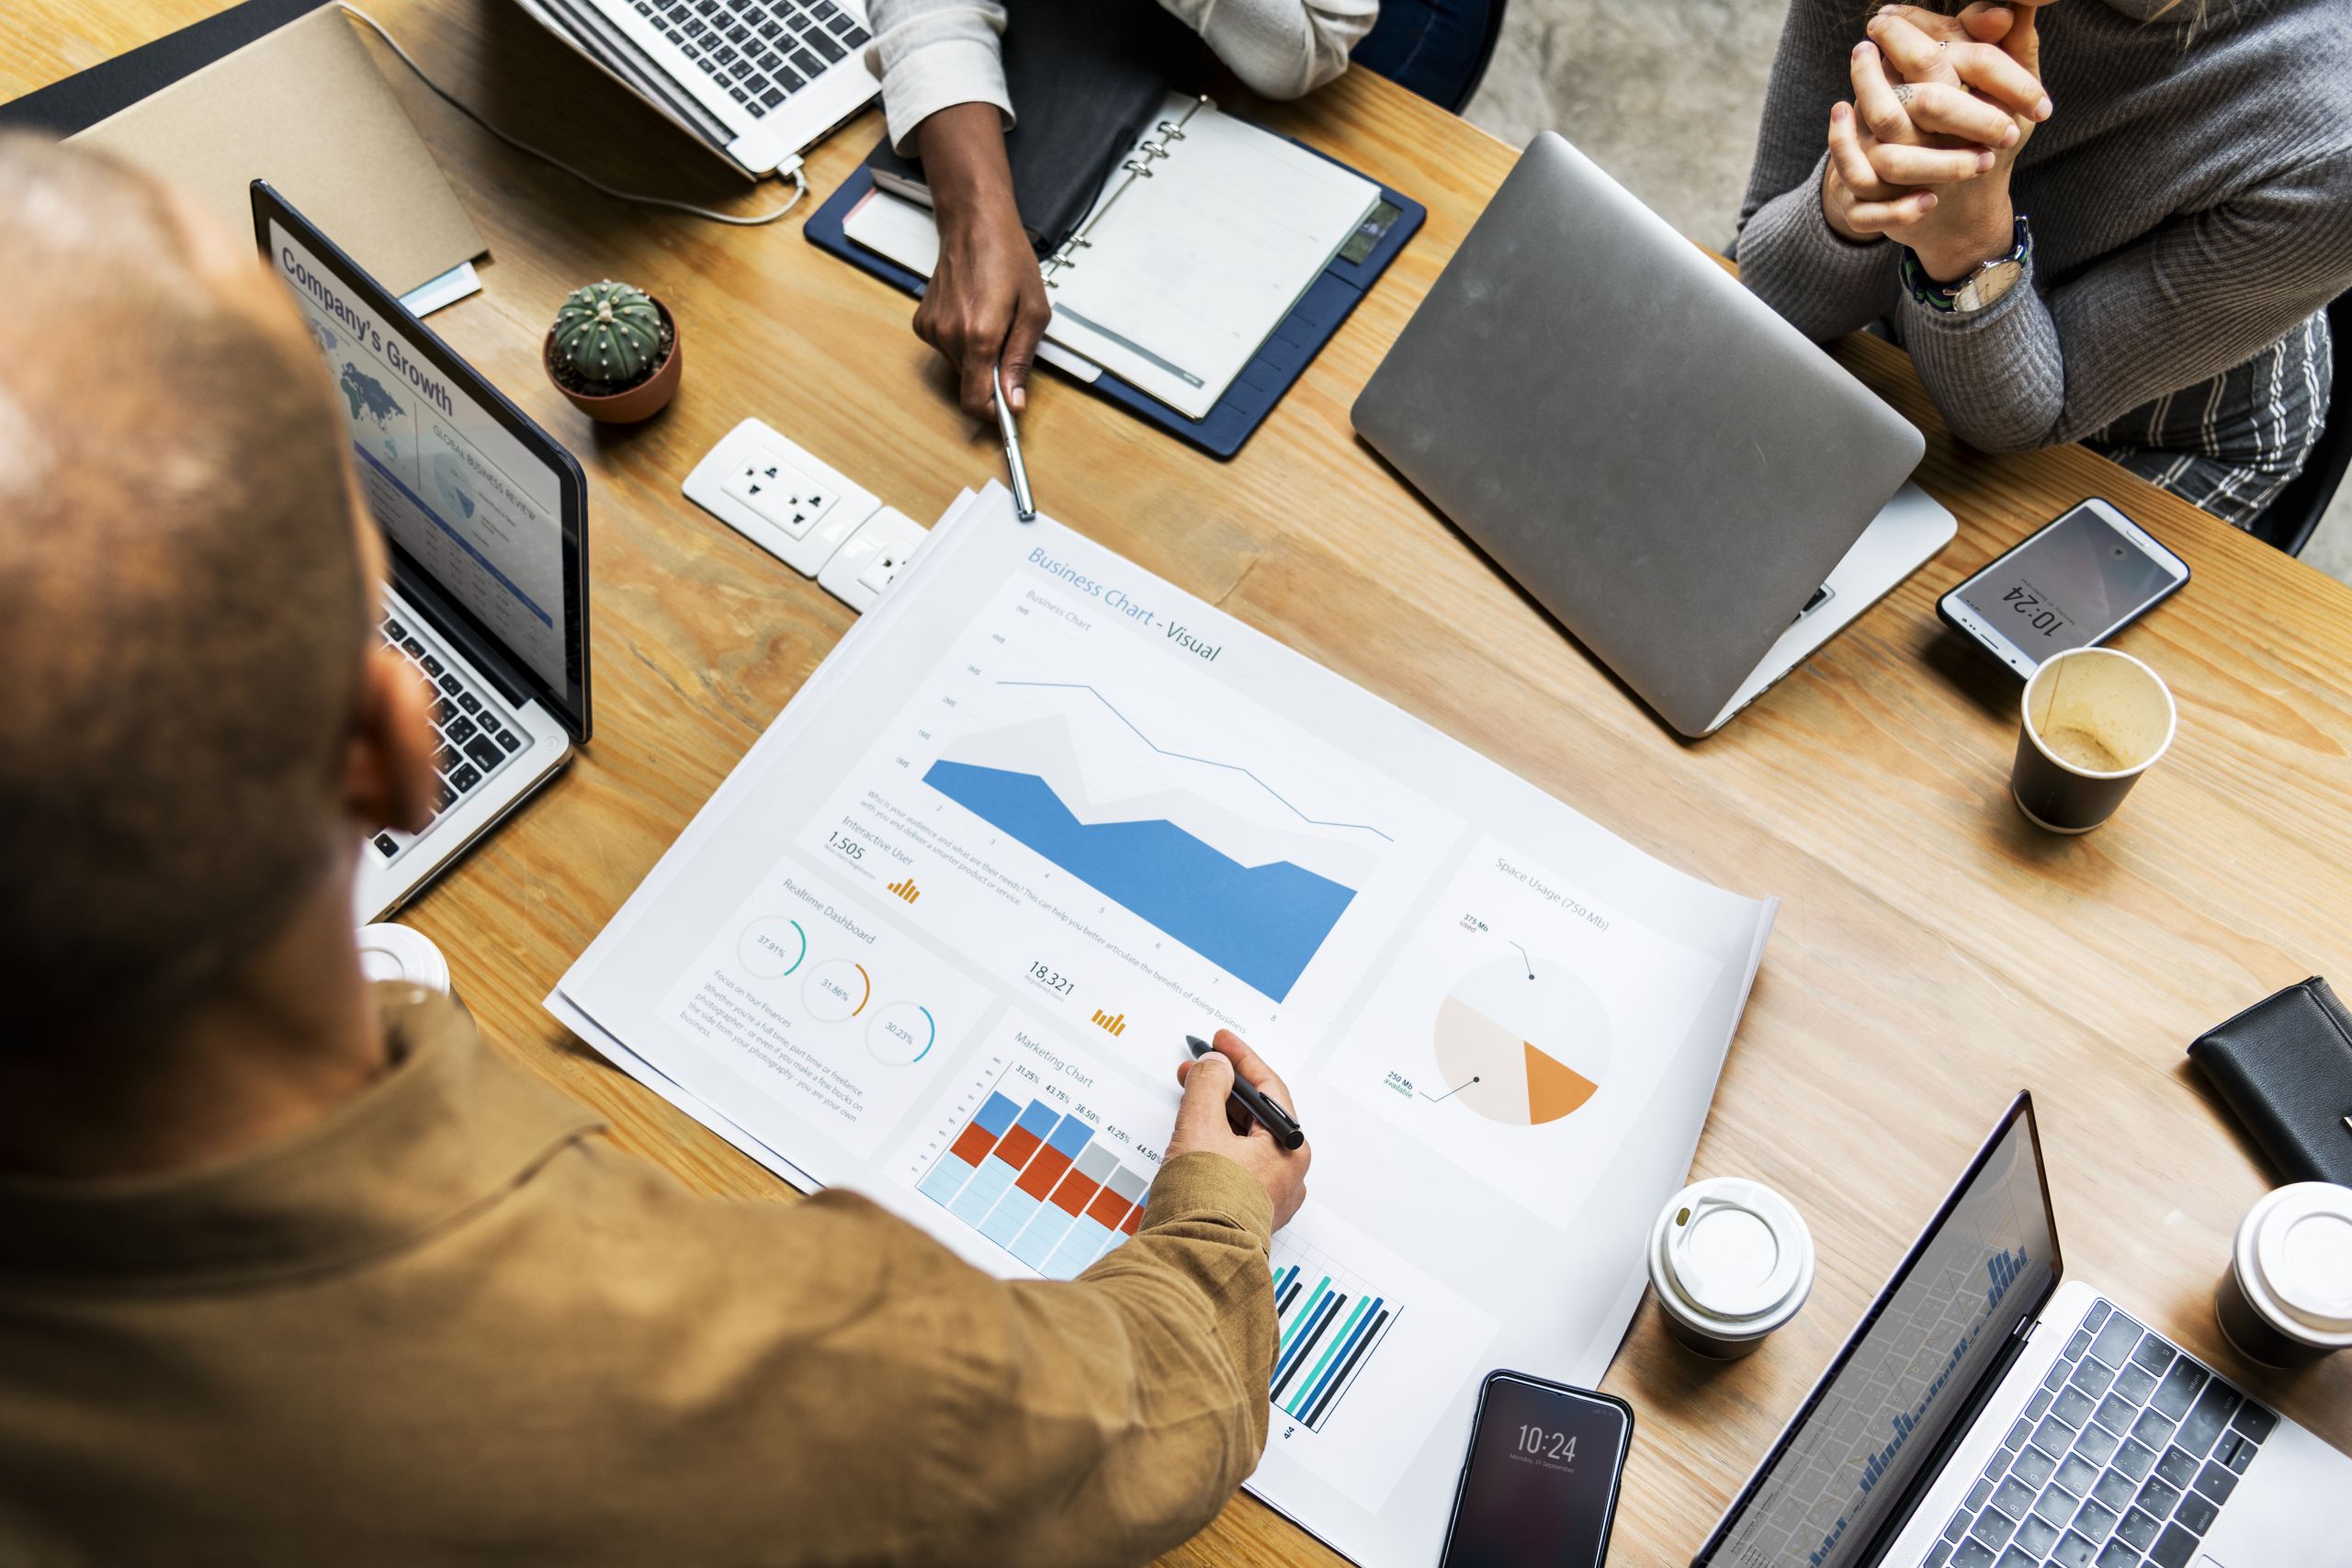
x,y
389,952
1735,1250
2301,1253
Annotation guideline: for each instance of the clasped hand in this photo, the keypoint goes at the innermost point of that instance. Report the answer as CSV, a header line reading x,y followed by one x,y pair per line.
x,y
1942,106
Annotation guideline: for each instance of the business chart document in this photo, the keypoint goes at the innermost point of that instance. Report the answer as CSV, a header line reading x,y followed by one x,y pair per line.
x,y
940,934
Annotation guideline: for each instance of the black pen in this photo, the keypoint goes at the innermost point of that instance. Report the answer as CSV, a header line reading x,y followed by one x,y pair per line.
x,y
1271,1117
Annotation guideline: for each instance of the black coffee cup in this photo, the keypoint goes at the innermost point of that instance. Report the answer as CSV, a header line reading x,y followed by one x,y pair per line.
x,y
2094,721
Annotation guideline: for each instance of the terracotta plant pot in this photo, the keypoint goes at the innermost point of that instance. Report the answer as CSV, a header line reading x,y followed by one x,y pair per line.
x,y
643,400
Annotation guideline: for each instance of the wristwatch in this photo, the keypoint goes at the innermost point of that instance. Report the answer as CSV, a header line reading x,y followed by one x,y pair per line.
x,y
1975,289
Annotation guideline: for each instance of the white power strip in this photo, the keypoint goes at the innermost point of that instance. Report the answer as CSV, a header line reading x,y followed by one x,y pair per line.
x,y
805,512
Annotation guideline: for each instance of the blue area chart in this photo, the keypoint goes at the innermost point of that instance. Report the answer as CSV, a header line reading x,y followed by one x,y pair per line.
x,y
1261,924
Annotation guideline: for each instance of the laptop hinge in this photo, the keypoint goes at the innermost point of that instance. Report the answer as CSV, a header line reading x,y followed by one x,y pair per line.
x,y
1962,1423
453,627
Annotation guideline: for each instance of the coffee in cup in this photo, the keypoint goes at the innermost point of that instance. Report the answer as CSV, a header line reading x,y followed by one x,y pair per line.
x,y
1731,1261
2094,721
2286,1299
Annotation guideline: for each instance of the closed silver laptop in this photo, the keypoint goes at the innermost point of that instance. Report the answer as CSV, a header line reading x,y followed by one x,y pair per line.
x,y
1671,469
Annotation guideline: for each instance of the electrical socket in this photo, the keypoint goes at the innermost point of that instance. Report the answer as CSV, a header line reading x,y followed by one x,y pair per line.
x,y
872,558
784,499
781,494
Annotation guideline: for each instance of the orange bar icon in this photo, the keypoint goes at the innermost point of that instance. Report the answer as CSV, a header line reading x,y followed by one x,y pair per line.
x,y
1115,1022
906,889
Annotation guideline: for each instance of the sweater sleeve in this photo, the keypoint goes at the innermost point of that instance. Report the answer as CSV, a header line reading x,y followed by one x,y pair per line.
x,y
2201,293
1823,283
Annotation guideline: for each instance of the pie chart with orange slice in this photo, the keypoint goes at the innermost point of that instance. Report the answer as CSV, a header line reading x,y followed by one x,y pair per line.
x,y
1522,1042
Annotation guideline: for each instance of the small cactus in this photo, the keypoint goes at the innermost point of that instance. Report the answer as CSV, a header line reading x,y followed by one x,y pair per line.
x,y
608,332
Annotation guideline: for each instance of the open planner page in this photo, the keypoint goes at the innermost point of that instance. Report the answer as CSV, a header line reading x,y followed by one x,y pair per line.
x,y
1182,271
940,934
1179,275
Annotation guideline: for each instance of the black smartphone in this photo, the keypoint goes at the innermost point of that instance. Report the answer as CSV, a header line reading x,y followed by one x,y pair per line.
x,y
2075,583
1539,1487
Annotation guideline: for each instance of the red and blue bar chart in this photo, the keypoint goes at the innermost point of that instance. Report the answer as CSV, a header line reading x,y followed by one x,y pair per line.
x,y
1039,1183
1051,1187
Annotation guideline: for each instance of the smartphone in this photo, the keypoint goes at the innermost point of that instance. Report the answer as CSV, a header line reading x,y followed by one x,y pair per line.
x,y
2075,583
1539,1486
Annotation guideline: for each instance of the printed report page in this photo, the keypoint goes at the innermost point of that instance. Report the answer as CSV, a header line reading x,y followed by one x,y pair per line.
x,y
941,936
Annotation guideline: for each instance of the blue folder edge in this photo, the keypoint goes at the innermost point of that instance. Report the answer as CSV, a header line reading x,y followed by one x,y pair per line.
x,y
1287,352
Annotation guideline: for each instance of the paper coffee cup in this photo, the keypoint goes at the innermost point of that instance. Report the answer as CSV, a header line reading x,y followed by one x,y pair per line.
x,y
2094,721
1731,1261
2287,1298
389,952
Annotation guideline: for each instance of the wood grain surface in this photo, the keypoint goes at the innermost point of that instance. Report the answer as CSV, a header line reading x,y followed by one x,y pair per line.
x,y
1934,952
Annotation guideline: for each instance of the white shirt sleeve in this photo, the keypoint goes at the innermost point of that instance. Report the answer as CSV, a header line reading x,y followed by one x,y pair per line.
x,y
1280,49
932,54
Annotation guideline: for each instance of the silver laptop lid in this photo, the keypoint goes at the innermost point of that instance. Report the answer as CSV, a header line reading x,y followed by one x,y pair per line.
x,y
1665,465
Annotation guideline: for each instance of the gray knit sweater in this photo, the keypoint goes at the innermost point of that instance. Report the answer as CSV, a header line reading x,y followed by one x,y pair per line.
x,y
2190,200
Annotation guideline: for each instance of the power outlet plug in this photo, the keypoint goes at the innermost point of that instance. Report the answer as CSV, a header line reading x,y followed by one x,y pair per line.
x,y
872,558
779,496
787,498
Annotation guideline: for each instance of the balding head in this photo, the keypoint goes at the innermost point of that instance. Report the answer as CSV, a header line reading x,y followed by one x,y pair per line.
x,y
183,603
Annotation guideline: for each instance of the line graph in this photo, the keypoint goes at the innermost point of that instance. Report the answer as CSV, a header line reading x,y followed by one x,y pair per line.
x,y
1188,757
1203,861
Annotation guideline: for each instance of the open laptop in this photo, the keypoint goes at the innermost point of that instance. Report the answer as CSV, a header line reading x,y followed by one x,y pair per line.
x,y
758,81
1987,1413
486,519
1693,489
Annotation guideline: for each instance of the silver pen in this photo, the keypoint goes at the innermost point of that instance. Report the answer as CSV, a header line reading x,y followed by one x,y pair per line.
x,y
1022,501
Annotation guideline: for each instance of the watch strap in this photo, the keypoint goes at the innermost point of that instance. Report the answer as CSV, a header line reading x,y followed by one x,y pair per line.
x,y
1944,298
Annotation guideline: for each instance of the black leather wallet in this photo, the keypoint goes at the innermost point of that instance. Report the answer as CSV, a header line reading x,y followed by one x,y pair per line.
x,y
2285,1066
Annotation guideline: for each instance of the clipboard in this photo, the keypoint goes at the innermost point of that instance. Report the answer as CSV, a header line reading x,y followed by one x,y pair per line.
x,y
1279,361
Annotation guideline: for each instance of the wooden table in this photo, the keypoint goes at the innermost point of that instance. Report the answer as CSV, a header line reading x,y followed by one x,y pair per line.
x,y
1934,952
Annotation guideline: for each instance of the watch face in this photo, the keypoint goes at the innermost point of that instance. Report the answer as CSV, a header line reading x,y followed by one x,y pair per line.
x,y
1989,285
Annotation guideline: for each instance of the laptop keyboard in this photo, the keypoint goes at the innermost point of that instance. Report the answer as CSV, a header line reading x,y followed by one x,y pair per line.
x,y
761,52
2123,1459
476,739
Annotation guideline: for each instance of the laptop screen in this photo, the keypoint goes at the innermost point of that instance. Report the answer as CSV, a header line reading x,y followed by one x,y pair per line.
x,y
473,498
1985,1263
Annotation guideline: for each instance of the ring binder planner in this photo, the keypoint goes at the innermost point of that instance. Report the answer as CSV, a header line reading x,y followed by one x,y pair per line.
x,y
1214,263
1137,166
